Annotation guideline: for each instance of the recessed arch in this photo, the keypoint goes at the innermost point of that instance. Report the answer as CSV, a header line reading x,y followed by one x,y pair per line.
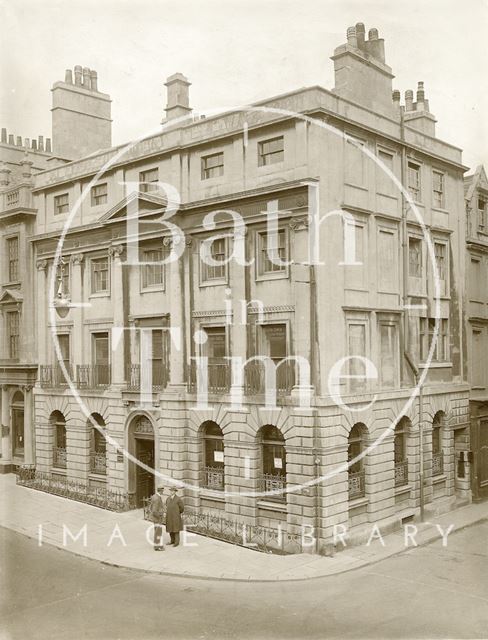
x,y
212,439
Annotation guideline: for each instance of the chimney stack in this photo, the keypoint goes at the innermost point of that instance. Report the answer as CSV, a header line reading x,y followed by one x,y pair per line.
x,y
409,100
78,74
396,100
417,115
178,100
360,35
68,76
48,145
4,135
19,141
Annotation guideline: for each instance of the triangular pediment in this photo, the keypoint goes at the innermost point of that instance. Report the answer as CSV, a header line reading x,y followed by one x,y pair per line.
x,y
136,204
11,296
478,181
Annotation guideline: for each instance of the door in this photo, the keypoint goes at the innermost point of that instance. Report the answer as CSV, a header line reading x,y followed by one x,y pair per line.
x,y
144,478
18,432
483,455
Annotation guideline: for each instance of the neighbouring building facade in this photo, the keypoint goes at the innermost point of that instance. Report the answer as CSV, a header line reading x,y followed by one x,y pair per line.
x,y
105,322
476,188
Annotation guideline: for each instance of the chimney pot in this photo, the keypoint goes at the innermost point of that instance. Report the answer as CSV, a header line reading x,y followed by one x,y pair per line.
x,y
78,74
373,34
48,145
11,138
94,80
27,143
68,76
86,78
19,141
408,100
4,134
41,143
420,93
34,145
360,33
351,37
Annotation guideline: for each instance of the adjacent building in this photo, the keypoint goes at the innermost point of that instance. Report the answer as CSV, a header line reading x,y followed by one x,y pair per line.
x,y
111,363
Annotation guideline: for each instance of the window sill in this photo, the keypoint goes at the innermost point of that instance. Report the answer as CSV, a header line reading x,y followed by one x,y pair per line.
x,y
99,294
435,365
404,488
358,502
97,476
213,494
14,283
272,506
356,186
278,275
59,470
438,479
218,282
440,209
156,289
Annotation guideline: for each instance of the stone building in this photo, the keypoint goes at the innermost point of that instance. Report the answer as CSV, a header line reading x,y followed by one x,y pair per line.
x,y
476,189
119,339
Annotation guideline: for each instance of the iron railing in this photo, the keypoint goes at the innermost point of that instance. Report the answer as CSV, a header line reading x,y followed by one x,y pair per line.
x,y
357,484
218,377
75,490
255,378
438,463
401,473
214,478
256,537
274,486
93,376
60,457
159,379
98,462
51,376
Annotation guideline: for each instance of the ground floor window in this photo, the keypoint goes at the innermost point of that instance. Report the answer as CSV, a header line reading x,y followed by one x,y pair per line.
x,y
213,445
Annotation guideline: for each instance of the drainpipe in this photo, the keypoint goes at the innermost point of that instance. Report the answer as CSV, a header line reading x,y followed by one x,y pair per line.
x,y
406,332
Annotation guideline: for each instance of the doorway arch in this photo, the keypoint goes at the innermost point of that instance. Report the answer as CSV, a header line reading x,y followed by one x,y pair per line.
x,y
140,444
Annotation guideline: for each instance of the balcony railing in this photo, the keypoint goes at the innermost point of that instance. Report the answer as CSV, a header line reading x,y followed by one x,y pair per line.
x,y
401,473
213,478
255,378
93,376
438,463
17,197
98,462
59,457
157,381
51,376
218,378
357,485
274,486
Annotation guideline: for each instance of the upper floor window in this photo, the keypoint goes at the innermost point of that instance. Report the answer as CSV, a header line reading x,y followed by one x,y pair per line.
x,y
440,251
152,268
148,180
438,195
63,279
99,194
415,257
389,358
414,181
212,166
272,252
481,213
216,252
271,151
13,334
13,258
426,336
61,203
356,347
99,275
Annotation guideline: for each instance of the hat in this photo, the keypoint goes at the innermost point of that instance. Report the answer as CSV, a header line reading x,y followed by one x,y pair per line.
x,y
173,488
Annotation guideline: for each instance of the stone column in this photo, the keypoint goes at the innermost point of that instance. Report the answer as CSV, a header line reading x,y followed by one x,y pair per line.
x,y
42,307
76,295
29,427
5,423
116,287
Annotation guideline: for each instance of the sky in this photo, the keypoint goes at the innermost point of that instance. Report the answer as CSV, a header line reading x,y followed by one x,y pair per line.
x,y
236,52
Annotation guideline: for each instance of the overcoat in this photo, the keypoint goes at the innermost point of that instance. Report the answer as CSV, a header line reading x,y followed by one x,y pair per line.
x,y
156,509
174,509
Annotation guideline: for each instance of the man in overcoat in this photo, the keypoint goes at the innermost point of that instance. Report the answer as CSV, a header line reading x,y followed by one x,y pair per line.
x,y
174,522
156,514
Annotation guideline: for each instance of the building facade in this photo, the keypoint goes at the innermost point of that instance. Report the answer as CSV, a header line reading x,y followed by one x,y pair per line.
x,y
125,346
476,188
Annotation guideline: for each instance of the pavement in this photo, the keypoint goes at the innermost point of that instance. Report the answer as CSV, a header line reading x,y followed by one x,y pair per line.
x,y
125,540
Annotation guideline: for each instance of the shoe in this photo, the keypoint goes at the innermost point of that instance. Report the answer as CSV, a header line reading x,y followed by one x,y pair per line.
x,y
176,545
170,543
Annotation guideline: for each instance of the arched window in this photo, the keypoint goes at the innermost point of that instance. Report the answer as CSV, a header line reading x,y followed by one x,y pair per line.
x,y
273,456
58,425
356,468
400,452
213,453
98,445
437,453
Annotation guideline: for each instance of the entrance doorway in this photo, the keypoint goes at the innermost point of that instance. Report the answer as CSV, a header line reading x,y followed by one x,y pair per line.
x,y
141,446
483,455
17,408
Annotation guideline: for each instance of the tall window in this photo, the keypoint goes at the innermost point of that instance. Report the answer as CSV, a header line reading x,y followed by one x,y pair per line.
x,y
272,252
355,446
271,151
158,358
415,257
273,454
384,183
477,358
356,343
387,251
212,166
355,161
99,275
414,181
63,279
438,196
99,194
388,355
58,425
481,214
64,347
148,180
426,336
437,453
98,445
218,367
152,269
61,203
13,258
275,348
440,251
13,334
217,252
101,373
213,445
400,452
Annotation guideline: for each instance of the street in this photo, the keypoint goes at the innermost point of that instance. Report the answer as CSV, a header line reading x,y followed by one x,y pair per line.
x,y
425,592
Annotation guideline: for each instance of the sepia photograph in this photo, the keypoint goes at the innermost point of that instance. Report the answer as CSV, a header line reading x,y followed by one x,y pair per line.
x,y
243,320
